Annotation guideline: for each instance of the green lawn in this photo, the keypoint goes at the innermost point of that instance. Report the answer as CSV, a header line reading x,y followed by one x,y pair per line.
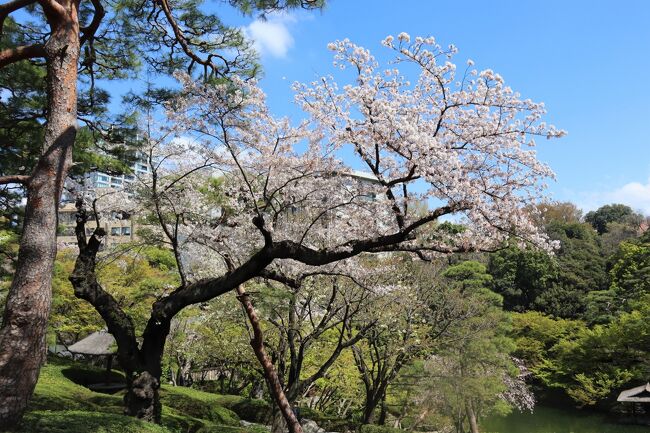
x,y
61,404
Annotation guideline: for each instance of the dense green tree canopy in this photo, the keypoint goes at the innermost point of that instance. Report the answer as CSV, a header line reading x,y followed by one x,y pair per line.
x,y
612,213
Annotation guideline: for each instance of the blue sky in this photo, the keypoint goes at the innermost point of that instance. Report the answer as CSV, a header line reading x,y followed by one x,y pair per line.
x,y
589,61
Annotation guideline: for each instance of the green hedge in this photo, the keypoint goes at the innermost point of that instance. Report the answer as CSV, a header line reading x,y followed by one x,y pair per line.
x,y
75,421
371,428
258,411
196,407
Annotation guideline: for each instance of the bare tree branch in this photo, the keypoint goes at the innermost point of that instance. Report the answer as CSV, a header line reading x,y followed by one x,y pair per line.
x,y
88,33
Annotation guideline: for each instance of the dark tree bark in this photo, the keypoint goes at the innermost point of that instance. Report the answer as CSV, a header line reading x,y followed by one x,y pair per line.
x,y
372,401
24,324
142,365
383,411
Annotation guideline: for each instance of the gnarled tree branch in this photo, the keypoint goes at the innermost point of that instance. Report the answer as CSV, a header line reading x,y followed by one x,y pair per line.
x,y
87,33
12,6
185,45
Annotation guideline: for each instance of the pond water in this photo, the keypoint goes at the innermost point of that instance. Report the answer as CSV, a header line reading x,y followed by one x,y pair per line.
x,y
551,420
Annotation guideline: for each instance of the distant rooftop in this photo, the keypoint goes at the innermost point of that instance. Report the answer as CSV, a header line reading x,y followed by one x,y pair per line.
x,y
97,343
640,394
363,175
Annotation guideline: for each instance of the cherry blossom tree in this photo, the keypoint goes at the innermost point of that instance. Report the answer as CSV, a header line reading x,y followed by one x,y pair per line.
x,y
81,42
238,194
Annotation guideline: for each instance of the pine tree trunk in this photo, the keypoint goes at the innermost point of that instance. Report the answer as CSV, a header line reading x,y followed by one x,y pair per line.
x,y
24,324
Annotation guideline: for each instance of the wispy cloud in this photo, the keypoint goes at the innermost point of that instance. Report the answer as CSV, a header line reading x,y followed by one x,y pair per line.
x,y
634,194
271,36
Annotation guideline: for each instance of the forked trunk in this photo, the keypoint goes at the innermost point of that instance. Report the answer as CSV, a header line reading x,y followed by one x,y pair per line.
x,y
24,324
471,416
142,364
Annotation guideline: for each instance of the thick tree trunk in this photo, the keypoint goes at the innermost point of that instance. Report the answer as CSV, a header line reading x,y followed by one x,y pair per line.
x,y
142,365
270,374
142,399
369,410
374,396
383,412
24,324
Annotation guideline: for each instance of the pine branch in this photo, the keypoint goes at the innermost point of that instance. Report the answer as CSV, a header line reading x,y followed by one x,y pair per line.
x,y
16,178
12,6
13,55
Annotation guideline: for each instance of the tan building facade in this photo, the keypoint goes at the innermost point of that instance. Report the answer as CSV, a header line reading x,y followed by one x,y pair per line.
x,y
118,230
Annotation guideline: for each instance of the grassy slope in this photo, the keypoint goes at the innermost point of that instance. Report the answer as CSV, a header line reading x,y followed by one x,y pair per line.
x,y
61,405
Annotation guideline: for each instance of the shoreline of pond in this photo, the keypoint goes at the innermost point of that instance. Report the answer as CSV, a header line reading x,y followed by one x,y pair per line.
x,y
547,419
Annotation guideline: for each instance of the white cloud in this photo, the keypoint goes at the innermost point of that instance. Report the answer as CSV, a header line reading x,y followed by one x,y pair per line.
x,y
634,194
271,36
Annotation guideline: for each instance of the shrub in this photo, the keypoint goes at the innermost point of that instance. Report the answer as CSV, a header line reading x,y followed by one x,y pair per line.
x,y
88,422
371,428
198,404
251,410
83,375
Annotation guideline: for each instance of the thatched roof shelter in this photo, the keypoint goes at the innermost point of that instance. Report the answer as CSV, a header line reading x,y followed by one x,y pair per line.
x,y
640,394
97,343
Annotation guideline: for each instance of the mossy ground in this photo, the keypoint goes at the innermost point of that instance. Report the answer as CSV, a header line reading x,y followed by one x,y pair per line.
x,y
62,405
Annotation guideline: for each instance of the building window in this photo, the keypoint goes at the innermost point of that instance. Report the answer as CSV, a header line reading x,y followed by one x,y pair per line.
x,y
115,231
126,231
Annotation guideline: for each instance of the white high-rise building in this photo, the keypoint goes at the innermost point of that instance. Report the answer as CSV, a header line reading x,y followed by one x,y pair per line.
x,y
98,179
